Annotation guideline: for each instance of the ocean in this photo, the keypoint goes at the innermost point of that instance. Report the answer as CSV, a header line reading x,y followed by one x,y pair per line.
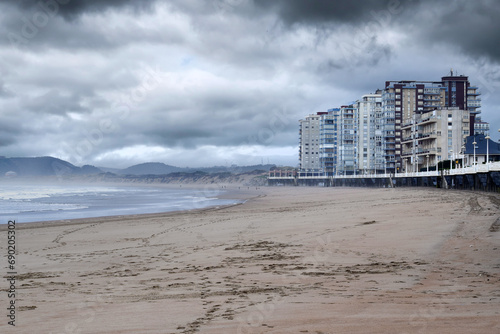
x,y
25,203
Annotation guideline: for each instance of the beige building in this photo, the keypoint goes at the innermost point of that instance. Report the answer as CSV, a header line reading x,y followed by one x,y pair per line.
x,y
401,100
309,135
433,136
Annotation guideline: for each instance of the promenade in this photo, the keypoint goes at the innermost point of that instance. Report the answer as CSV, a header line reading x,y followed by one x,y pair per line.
x,y
479,177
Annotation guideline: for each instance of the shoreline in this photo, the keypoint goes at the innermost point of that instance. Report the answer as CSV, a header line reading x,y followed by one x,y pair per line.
x,y
288,260
124,218
225,194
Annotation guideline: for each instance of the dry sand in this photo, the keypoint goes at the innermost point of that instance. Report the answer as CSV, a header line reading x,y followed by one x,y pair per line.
x,y
290,260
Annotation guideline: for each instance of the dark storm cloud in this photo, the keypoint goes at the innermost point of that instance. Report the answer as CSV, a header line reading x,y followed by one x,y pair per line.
x,y
71,9
32,26
472,26
339,11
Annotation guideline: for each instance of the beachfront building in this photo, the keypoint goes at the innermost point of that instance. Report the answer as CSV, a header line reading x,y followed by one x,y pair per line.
x,y
405,126
328,148
329,142
485,150
309,139
338,140
402,100
371,149
346,119
433,136
461,94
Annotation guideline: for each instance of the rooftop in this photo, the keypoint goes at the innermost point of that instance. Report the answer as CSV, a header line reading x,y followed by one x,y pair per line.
x,y
481,145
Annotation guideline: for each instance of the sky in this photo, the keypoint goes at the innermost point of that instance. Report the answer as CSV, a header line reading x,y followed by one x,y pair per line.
x,y
198,83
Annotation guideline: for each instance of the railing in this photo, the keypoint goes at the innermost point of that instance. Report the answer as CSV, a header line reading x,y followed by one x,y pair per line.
x,y
473,103
483,168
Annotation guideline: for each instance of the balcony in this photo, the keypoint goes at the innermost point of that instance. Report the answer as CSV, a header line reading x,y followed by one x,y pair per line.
x,y
428,119
432,91
407,124
425,151
427,136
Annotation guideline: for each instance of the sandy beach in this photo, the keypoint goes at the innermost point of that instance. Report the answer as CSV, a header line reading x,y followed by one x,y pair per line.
x,y
289,260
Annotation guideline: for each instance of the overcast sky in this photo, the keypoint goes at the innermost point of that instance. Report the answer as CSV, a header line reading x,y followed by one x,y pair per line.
x,y
218,82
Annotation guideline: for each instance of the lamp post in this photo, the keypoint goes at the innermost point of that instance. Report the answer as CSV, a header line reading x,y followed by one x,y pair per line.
x,y
474,161
487,149
463,156
452,158
427,158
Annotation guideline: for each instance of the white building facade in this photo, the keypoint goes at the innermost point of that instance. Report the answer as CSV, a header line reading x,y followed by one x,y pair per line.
x,y
371,150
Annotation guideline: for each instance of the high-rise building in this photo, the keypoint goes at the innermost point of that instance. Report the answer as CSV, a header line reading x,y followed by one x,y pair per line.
x,y
408,124
329,135
329,142
433,136
347,140
370,150
309,132
462,95
401,100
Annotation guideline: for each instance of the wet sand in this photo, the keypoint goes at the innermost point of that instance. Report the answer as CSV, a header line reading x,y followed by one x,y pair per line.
x,y
289,260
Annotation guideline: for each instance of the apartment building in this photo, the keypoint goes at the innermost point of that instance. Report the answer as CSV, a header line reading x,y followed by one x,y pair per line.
x,y
328,141
481,127
371,146
462,95
404,126
329,135
403,99
309,138
347,140
434,136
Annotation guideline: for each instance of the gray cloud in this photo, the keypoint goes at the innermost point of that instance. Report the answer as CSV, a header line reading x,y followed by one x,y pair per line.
x,y
54,102
122,82
471,26
333,12
71,9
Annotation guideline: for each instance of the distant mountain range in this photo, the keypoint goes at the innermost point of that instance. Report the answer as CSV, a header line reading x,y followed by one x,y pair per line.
x,y
50,166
